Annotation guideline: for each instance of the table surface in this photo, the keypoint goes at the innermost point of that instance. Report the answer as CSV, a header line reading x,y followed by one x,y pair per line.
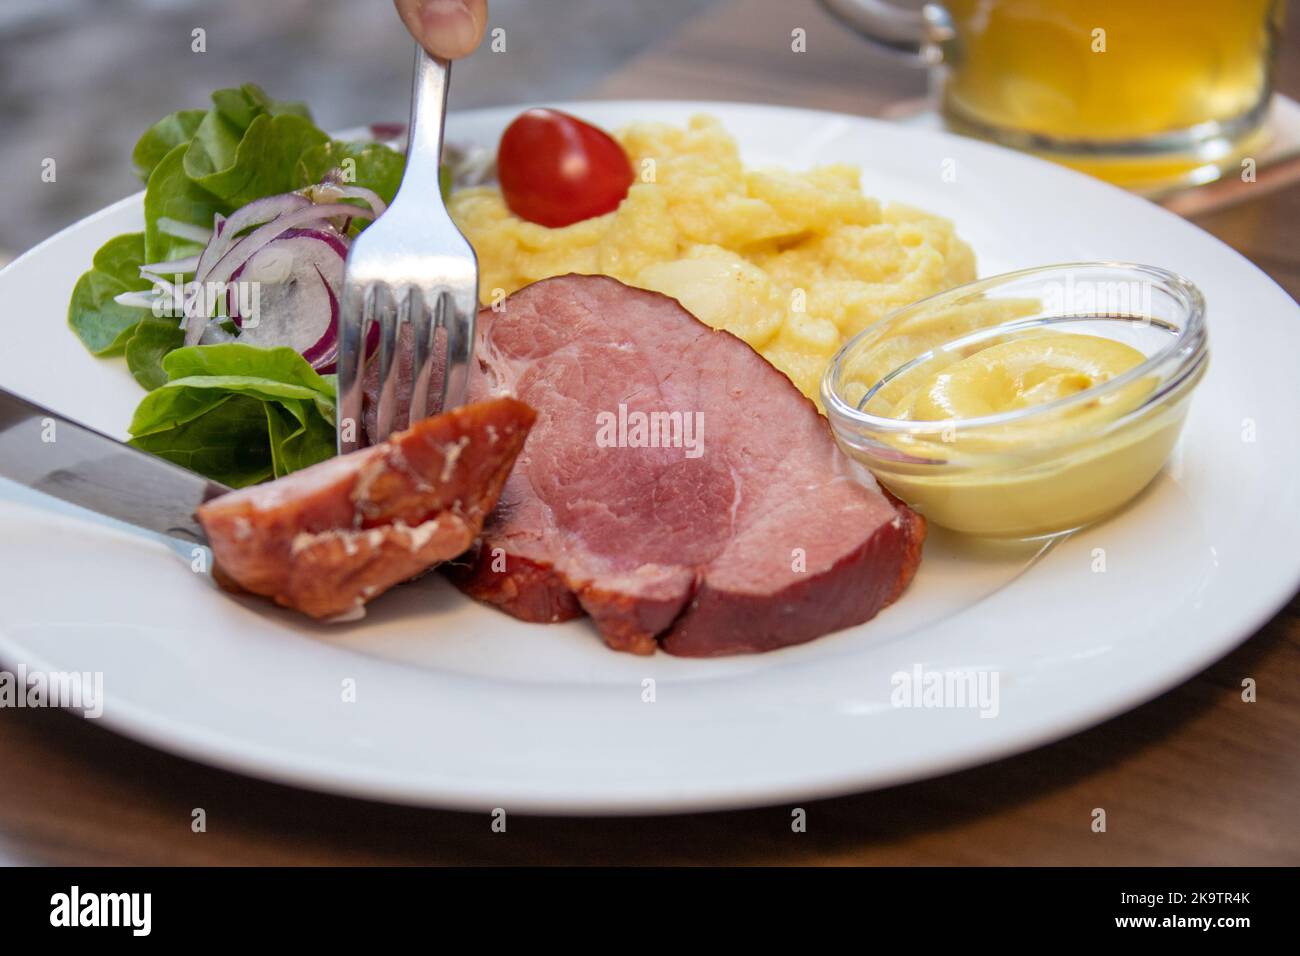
x,y
1194,777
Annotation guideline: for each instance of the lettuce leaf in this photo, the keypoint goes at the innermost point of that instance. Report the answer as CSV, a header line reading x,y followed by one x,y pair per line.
x,y
238,413
247,145
227,444
300,435
262,163
372,165
151,340
164,136
217,137
172,194
199,163
102,325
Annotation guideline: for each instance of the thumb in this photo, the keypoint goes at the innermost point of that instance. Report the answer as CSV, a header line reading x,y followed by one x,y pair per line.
x,y
446,28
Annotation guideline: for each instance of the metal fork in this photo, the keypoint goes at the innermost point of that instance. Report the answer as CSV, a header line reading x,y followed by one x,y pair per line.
x,y
411,266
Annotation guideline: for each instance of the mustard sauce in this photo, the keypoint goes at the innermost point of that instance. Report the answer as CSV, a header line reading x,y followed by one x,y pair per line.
x,y
1051,472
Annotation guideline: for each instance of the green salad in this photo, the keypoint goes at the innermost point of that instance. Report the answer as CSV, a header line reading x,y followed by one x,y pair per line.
x,y
225,307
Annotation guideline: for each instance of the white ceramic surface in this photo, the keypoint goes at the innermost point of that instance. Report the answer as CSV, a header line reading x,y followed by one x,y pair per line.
x,y
459,706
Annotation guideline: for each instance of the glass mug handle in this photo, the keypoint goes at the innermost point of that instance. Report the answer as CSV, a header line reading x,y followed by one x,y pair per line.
x,y
919,35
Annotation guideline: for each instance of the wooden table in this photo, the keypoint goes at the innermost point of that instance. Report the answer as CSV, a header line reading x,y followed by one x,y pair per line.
x,y
1195,777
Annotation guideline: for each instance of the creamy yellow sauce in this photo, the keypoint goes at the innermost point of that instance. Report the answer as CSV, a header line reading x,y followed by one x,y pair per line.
x,y
1017,374
1048,473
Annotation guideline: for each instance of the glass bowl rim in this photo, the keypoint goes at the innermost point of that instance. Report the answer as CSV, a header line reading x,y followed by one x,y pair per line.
x,y
1188,348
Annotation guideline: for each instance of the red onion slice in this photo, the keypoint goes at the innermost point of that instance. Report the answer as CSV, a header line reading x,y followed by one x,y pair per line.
x,y
333,192
299,275
324,355
244,249
227,230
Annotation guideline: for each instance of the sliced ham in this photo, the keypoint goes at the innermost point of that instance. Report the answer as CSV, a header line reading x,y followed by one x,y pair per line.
x,y
327,539
764,535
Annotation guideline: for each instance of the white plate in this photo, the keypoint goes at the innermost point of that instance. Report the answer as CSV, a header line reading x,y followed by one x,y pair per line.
x,y
459,706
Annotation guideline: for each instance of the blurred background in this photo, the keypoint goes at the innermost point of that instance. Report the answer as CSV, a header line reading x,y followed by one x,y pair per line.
x,y
82,79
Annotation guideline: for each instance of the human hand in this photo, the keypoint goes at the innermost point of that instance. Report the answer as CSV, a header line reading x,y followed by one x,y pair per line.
x,y
446,28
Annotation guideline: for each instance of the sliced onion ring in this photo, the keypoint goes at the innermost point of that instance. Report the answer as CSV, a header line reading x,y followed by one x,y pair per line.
x,y
257,212
332,192
242,250
300,274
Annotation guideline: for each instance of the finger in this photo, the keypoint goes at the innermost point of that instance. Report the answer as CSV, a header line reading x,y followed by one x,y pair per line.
x,y
446,28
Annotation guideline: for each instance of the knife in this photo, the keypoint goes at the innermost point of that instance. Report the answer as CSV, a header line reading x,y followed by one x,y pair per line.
x,y
53,454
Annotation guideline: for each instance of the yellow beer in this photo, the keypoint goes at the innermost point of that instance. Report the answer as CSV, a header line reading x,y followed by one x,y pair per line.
x,y
1150,94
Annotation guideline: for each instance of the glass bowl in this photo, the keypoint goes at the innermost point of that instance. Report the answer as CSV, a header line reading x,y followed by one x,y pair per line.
x,y
1041,469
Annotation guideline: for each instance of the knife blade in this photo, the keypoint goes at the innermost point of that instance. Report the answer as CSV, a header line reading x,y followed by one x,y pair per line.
x,y
53,454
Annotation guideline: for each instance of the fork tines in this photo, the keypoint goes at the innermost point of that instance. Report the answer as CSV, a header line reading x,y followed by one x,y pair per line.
x,y
378,305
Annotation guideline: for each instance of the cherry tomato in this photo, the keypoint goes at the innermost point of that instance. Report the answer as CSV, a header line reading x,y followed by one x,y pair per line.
x,y
557,170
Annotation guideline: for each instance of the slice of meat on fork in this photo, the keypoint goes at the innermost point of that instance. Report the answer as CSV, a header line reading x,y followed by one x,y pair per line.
x,y
327,539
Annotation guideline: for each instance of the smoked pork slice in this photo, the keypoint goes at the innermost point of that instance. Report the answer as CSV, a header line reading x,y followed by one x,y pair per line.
x,y
327,539
769,536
